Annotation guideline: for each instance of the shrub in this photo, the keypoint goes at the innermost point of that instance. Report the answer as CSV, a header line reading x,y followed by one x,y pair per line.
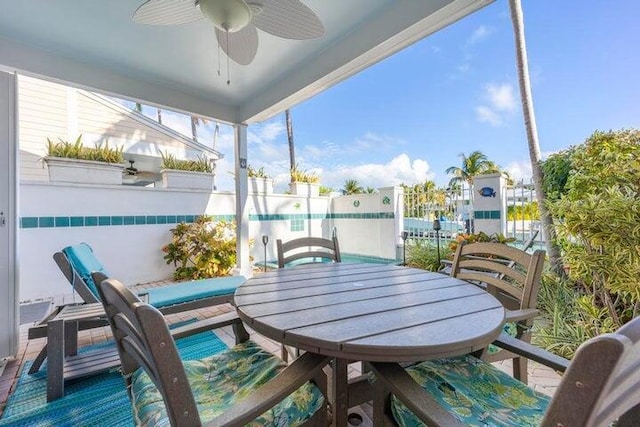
x,y
202,249
424,255
568,316
598,221
479,237
202,164
75,150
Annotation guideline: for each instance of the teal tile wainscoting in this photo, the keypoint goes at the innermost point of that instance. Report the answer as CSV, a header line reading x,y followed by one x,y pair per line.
x,y
486,214
297,220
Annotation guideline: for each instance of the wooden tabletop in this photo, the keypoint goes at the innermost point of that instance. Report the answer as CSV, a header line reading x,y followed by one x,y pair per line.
x,y
370,312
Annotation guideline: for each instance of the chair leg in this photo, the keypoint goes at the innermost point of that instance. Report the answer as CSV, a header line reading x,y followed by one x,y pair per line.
x,y
520,365
381,404
55,360
38,361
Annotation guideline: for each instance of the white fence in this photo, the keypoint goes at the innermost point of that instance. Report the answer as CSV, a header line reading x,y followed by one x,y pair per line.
x,y
454,209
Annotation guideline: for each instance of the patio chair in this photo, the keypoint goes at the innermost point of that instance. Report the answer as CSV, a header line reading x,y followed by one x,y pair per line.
x,y
601,384
511,275
445,264
307,250
240,385
78,262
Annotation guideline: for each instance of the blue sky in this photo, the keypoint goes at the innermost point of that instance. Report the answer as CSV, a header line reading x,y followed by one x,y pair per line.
x,y
408,118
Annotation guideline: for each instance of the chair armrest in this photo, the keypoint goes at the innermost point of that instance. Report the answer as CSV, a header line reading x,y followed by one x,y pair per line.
x,y
286,382
532,352
213,323
445,265
523,314
395,379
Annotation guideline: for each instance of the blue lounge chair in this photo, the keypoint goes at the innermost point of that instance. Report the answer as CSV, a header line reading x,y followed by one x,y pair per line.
x,y
77,262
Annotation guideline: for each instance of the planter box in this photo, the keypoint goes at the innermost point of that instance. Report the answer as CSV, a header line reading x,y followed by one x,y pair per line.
x,y
260,185
62,169
304,189
172,178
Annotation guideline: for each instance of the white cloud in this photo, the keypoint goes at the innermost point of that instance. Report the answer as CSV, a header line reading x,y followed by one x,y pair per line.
x,y
479,34
519,170
400,169
270,131
372,140
501,102
501,96
487,115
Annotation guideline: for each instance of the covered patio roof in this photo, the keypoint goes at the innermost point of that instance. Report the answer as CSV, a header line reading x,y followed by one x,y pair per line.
x,y
96,45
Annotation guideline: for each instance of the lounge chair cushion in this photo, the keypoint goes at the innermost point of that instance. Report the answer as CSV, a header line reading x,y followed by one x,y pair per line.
x,y
475,392
221,380
83,261
197,289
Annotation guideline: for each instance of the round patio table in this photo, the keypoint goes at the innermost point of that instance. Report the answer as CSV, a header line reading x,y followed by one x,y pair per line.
x,y
369,312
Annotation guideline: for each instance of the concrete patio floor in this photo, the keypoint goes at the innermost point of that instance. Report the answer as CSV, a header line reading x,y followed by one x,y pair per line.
x,y
541,378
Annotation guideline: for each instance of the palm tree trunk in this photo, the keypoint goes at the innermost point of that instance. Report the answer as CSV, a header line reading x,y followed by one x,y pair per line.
x,y
292,151
159,116
216,133
546,219
194,127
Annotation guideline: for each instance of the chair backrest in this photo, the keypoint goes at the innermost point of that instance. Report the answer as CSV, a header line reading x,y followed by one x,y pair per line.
x,y
311,248
77,262
143,340
602,382
510,274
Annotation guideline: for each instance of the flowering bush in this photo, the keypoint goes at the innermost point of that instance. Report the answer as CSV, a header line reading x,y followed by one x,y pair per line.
x,y
202,249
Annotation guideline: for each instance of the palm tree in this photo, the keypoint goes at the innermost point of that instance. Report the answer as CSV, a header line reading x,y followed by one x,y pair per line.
x,y
351,186
292,151
138,107
216,135
159,116
477,163
522,65
195,122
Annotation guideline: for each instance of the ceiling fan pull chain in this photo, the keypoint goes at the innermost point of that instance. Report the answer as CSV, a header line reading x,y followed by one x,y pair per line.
x,y
218,43
228,54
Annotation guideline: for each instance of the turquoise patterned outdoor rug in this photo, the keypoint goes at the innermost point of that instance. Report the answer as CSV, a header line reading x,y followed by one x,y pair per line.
x,y
99,400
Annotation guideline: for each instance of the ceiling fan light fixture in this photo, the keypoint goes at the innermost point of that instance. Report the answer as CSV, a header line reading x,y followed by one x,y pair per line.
x,y
227,15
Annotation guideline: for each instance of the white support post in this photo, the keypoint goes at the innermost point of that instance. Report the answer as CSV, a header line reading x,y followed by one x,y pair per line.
x,y
9,287
242,191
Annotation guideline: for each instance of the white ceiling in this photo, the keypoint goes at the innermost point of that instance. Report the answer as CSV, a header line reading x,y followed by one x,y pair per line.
x,y
94,44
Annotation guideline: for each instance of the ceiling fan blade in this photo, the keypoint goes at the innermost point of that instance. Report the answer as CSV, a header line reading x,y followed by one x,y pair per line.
x,y
242,46
167,12
289,19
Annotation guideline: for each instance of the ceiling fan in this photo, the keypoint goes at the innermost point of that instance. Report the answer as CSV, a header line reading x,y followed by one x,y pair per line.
x,y
237,21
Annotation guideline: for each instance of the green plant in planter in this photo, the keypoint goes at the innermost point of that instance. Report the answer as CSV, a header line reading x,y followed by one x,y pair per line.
x,y
202,164
202,249
75,150
257,173
301,175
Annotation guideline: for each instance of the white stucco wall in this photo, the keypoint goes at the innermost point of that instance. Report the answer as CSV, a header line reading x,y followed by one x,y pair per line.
x,y
132,253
